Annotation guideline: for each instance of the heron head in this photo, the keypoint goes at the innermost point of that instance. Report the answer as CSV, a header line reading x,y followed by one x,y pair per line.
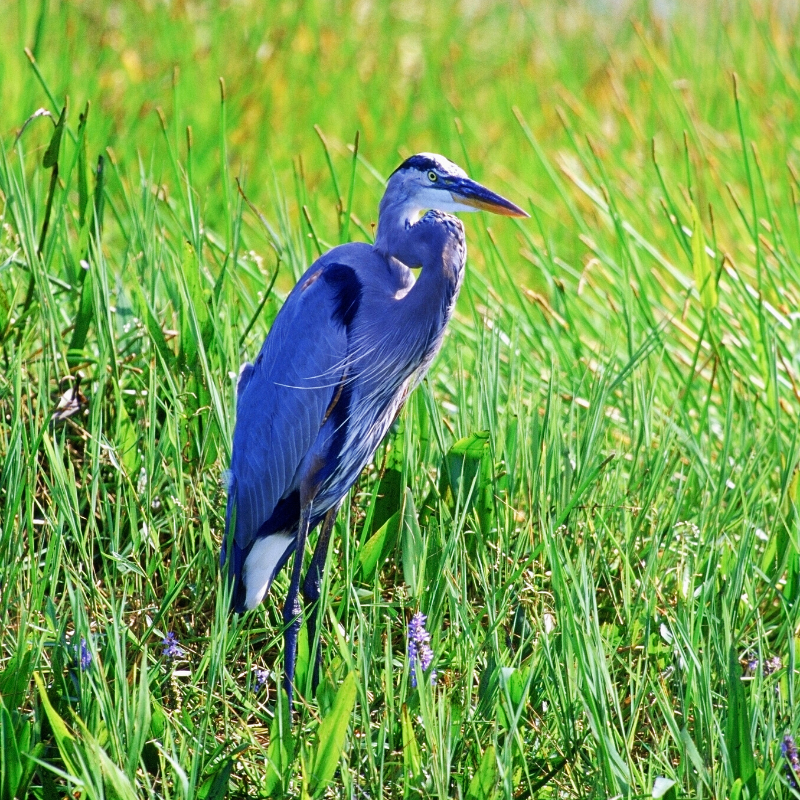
x,y
430,181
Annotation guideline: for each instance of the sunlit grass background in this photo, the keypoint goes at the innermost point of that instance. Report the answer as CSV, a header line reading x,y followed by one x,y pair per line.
x,y
594,495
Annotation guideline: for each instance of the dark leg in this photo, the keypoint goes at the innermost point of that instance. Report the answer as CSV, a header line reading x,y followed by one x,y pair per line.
x,y
311,591
292,612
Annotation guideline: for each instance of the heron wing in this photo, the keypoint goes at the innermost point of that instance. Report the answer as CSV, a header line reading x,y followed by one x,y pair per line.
x,y
282,401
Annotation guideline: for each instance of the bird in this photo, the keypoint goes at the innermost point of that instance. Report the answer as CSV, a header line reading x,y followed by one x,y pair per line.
x,y
353,338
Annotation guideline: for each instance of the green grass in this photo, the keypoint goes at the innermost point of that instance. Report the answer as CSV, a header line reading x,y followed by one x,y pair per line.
x,y
594,494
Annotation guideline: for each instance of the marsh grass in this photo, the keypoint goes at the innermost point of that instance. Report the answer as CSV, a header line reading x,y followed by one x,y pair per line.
x,y
593,496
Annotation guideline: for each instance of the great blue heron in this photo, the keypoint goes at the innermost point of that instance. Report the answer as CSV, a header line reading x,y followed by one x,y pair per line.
x,y
354,337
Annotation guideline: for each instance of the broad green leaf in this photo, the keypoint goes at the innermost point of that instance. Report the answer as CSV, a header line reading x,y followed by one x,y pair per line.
x,y
10,763
216,787
690,749
469,474
29,765
83,318
483,783
332,733
141,727
153,326
15,677
463,462
51,154
390,497
736,790
303,657
472,446
760,775
413,546
737,729
412,760
65,741
158,720
703,274
199,301
280,752
513,681
485,498
113,776
377,546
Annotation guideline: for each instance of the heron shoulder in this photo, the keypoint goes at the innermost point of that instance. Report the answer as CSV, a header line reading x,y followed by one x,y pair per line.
x,y
378,274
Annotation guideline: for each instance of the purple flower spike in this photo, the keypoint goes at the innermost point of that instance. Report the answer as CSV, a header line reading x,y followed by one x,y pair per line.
x,y
86,656
789,752
172,650
419,649
261,678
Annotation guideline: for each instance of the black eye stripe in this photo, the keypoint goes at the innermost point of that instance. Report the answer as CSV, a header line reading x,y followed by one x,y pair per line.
x,y
422,163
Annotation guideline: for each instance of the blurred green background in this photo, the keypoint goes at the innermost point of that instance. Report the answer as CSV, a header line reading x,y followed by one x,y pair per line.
x,y
409,76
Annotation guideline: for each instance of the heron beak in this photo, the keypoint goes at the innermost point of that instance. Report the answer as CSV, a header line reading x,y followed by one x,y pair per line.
x,y
472,194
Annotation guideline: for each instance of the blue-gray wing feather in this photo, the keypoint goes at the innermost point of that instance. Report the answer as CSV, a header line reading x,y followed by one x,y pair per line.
x,y
281,404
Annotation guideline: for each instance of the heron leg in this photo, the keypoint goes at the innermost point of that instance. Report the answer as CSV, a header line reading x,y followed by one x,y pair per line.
x,y
311,590
292,611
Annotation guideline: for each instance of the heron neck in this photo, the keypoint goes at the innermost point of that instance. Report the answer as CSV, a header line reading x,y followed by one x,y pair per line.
x,y
397,234
436,244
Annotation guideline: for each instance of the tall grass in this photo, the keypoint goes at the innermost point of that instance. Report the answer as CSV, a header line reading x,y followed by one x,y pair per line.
x,y
593,496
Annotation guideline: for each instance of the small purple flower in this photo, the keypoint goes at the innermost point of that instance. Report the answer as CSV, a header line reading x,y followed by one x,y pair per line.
x,y
771,665
85,655
172,650
768,666
419,648
789,752
261,677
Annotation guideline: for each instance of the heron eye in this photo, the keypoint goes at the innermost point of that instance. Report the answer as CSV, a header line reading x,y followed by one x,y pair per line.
x,y
432,176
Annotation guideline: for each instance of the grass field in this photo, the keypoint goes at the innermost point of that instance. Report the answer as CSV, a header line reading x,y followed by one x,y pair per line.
x,y
595,494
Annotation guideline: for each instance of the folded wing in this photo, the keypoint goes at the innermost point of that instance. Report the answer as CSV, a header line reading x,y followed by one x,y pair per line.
x,y
281,405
